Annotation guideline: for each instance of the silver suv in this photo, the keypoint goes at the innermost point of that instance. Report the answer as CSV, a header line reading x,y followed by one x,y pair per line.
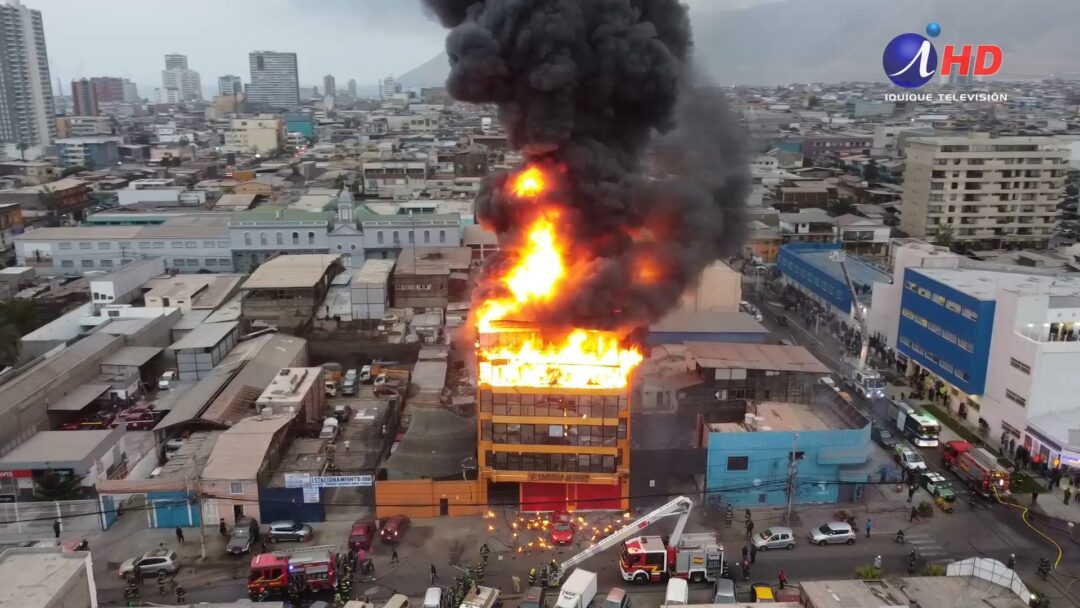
x,y
289,530
833,533
152,563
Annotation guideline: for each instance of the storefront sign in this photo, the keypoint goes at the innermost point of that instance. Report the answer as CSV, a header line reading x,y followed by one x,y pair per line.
x,y
23,474
311,494
559,477
342,481
296,480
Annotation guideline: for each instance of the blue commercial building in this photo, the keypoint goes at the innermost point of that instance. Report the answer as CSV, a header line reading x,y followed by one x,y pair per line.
x,y
749,462
299,123
945,330
812,268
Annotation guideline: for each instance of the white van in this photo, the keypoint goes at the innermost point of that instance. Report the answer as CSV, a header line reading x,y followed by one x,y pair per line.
x,y
329,429
399,601
433,598
678,592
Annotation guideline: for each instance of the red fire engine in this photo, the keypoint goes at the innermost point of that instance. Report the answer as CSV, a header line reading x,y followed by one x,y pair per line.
x,y
308,568
977,467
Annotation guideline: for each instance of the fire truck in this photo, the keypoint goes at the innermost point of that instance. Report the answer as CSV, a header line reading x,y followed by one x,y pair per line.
x,y
697,557
976,467
307,568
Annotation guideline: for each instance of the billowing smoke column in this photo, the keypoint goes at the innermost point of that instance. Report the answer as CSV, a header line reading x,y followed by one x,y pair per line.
x,y
581,87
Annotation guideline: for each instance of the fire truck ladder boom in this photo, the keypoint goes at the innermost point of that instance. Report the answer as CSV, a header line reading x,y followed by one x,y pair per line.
x,y
858,317
331,549
680,506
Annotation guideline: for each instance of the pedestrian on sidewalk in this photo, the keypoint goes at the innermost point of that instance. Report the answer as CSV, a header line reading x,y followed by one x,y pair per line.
x,y
745,570
393,556
434,574
869,525
1034,496
56,528
749,529
221,527
745,551
180,534
914,514
910,492
783,579
1068,494
753,554
346,446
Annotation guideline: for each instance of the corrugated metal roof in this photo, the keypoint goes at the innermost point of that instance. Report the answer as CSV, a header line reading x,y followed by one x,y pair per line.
x,y
773,357
291,271
79,398
241,450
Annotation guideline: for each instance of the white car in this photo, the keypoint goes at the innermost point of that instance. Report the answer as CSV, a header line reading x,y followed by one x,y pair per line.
x,y
829,382
365,374
832,533
167,380
909,458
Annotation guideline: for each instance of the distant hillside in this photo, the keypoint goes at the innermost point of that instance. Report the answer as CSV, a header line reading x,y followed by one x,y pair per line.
x,y
431,73
837,40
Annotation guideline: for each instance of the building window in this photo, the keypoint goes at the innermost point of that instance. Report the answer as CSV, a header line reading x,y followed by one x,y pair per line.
x,y
352,247
1017,399
223,244
279,238
908,314
224,262
104,245
191,244
427,236
67,263
106,263
86,263
311,238
411,237
738,463
144,245
65,246
378,237
296,238
964,344
85,246
953,306
1020,365
442,236
236,487
177,244
262,239
159,244
247,238
208,244
396,239
211,261
971,314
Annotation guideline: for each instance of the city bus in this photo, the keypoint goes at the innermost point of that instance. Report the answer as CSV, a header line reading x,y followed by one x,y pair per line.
x,y
917,426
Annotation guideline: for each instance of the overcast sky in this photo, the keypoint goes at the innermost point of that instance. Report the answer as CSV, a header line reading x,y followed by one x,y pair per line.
x,y
361,39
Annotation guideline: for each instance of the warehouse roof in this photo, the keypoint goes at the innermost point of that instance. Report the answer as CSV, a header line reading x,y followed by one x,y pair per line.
x,y
55,368
373,272
432,261
291,271
772,357
204,336
235,201
134,356
705,321
56,447
79,398
240,451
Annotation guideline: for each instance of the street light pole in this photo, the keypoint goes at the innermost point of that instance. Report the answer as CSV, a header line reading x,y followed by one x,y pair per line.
x,y
792,467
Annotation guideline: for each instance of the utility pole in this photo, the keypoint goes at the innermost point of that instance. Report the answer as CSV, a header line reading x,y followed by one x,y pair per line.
x,y
202,515
792,469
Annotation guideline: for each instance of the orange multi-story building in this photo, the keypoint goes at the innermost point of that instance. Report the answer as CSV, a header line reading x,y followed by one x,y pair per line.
x,y
551,448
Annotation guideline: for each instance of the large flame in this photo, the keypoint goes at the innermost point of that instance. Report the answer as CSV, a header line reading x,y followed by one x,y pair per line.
x,y
569,358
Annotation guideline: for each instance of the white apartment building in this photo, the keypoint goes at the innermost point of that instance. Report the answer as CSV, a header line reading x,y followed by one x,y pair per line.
x,y
388,87
254,135
159,192
185,84
26,115
83,126
983,189
395,176
274,79
229,85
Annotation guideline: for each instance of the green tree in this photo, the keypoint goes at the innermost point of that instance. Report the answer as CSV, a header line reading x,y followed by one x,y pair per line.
x,y
72,170
22,314
9,345
22,146
944,236
838,207
871,171
867,572
54,486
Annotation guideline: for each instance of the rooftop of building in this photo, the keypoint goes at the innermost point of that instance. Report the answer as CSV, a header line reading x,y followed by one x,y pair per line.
x,y
56,447
782,416
35,576
235,201
924,591
475,234
432,261
770,357
280,214
859,270
982,139
811,215
290,384
291,271
373,272
984,284
240,451
55,368
132,356
313,202
707,321
204,336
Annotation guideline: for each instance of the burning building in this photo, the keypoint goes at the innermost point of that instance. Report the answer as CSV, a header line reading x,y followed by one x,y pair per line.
x,y
600,231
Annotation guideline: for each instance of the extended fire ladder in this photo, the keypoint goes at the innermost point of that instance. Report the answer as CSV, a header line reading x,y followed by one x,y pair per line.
x,y
680,506
858,311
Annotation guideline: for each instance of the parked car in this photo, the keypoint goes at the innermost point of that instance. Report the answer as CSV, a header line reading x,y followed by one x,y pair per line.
x,y
329,429
832,533
365,374
244,534
909,458
724,592
167,380
138,419
616,598
937,485
289,530
393,529
360,536
883,437
829,382
331,388
761,593
562,529
152,563
343,412
351,383
776,537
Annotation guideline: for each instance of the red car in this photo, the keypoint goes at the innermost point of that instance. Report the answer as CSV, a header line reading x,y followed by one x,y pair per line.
x,y
394,528
360,536
139,419
562,529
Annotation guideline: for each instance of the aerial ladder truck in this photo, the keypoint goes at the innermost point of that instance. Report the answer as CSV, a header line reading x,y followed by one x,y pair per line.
x,y
697,557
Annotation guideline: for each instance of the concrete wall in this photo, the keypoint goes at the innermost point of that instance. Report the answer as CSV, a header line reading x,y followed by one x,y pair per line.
x,y
78,591
421,498
224,500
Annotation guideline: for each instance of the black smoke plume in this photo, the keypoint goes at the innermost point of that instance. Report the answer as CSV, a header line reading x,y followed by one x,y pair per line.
x,y
582,86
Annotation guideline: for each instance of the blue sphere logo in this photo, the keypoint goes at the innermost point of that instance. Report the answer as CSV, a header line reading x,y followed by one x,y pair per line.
x,y
910,60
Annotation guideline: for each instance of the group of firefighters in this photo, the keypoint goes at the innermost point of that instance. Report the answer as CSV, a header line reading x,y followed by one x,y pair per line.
x,y
133,594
